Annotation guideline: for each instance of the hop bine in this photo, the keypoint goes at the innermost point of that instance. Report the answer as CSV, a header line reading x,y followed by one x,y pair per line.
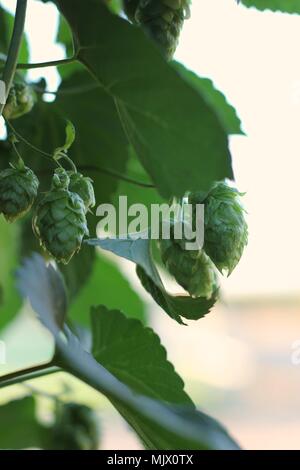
x,y
60,221
20,101
162,20
18,191
226,230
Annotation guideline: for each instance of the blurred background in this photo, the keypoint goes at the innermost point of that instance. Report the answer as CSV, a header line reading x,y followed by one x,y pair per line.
x,y
237,362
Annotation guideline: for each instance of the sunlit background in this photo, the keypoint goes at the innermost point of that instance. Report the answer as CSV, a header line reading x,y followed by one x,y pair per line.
x,y
237,362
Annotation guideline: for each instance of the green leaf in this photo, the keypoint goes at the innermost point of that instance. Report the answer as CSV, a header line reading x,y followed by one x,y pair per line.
x,y
10,301
160,424
177,306
64,37
101,143
225,111
175,133
19,426
135,356
78,272
137,250
287,6
70,138
107,286
46,289
7,23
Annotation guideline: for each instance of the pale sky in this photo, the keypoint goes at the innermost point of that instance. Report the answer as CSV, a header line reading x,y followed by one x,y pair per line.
x,y
253,57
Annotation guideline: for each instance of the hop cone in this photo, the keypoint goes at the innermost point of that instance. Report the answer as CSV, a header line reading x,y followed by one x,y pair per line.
x,y
161,19
193,270
76,428
60,222
83,186
226,230
20,101
18,191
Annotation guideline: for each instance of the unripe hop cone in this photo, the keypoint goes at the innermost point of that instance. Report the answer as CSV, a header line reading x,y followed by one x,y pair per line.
x,y
76,428
192,269
18,191
60,222
226,230
161,19
20,101
83,186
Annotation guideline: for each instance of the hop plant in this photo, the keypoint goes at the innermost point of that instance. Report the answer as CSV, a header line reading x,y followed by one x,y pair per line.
x,y
226,230
192,269
18,191
60,222
161,19
76,428
20,101
83,186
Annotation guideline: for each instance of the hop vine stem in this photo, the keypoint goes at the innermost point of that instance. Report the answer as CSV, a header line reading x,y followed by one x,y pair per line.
x,y
14,48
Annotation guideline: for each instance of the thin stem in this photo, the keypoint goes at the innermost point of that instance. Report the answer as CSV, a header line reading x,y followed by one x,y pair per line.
x,y
14,48
63,156
51,63
33,147
115,174
68,91
21,376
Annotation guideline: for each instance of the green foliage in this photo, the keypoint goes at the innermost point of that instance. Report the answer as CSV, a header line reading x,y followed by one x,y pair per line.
x,y
160,425
7,22
139,252
76,427
104,282
19,426
288,6
226,113
173,150
145,128
10,301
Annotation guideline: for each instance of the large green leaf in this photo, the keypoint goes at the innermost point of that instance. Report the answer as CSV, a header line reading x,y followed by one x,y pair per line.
x,y
161,424
10,301
177,306
226,112
100,142
175,133
107,286
19,426
7,23
288,6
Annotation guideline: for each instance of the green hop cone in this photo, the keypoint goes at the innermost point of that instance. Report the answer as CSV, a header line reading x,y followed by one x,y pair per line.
x,y
18,191
20,101
161,19
83,186
192,269
226,230
60,222
76,428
